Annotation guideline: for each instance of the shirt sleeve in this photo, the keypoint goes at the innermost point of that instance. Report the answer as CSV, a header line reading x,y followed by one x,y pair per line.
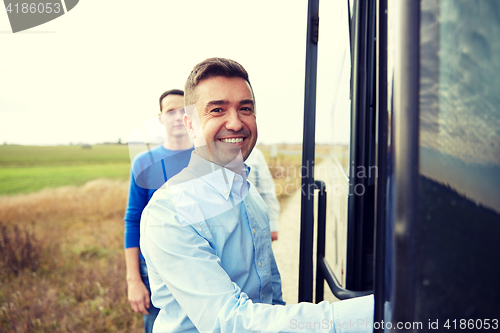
x,y
137,200
268,192
191,270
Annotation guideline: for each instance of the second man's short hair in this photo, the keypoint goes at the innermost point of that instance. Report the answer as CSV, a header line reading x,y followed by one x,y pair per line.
x,y
171,92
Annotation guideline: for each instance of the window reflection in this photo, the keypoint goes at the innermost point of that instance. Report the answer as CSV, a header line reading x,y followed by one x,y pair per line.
x,y
459,118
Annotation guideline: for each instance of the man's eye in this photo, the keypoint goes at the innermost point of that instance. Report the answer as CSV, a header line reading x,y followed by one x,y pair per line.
x,y
216,110
246,109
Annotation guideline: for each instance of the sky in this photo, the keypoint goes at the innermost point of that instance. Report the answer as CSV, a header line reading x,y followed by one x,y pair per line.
x,y
95,74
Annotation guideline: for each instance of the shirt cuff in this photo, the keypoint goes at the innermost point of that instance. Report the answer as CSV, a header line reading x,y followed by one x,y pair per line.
x,y
273,225
354,315
132,239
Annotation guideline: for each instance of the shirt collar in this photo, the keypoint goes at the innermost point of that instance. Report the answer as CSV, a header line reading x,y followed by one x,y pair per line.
x,y
218,177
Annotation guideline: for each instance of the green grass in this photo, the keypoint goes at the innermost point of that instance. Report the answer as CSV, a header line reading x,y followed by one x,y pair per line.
x,y
25,169
26,156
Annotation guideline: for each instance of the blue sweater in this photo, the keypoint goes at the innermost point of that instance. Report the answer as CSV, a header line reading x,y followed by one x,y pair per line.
x,y
149,171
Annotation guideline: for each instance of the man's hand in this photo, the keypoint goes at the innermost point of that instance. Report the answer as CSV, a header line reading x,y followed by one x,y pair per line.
x,y
274,236
138,296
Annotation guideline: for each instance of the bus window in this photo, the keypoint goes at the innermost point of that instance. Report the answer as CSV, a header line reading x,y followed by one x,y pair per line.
x,y
333,124
459,189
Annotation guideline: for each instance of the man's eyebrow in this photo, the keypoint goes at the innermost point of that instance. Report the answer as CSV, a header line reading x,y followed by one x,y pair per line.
x,y
247,101
225,102
217,102
173,109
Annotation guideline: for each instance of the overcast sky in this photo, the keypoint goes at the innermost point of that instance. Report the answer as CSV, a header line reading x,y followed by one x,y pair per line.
x,y
95,74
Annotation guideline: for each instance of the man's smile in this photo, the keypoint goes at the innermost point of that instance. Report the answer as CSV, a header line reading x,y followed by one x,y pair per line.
x,y
232,140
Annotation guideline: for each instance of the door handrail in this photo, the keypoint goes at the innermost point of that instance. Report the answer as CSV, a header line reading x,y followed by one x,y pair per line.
x,y
323,270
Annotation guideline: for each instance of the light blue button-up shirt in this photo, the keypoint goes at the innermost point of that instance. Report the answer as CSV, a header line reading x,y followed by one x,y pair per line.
x,y
206,240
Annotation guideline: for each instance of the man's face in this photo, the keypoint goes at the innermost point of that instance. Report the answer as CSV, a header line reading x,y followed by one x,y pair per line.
x,y
172,112
226,110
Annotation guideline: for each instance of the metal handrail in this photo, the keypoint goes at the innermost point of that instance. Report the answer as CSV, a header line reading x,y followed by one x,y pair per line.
x,y
323,270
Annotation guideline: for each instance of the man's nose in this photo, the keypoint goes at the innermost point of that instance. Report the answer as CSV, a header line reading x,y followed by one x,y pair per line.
x,y
233,121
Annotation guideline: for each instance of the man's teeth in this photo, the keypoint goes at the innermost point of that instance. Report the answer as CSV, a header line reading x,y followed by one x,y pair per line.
x,y
232,140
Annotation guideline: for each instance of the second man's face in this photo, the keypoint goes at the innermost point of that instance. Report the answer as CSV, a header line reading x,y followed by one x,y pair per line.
x,y
172,112
226,110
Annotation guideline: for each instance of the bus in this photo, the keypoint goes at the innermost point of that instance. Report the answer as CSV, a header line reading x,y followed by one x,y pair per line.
x,y
420,224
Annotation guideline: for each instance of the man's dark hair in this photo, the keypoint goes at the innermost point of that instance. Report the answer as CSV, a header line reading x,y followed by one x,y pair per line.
x,y
171,92
212,67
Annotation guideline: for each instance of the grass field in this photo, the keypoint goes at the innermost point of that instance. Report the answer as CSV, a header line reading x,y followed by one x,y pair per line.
x,y
62,266
25,169
26,156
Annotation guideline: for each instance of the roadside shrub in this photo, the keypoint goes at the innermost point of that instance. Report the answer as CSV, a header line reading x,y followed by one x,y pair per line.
x,y
20,249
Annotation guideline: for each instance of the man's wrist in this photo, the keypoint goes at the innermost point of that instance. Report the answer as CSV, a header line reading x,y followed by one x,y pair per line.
x,y
134,279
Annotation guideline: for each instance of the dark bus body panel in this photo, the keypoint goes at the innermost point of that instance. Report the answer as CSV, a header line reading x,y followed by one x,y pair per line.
x,y
457,250
360,253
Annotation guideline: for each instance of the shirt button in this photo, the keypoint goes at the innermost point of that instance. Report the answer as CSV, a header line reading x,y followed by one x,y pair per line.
x,y
225,191
254,232
262,296
260,264
236,178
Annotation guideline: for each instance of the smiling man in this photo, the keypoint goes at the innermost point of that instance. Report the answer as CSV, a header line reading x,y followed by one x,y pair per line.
x,y
205,234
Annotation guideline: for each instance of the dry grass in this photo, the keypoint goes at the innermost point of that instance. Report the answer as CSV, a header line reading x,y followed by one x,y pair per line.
x,y
286,169
20,250
72,278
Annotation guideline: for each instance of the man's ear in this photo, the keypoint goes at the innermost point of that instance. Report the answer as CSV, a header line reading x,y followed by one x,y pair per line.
x,y
188,122
159,118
